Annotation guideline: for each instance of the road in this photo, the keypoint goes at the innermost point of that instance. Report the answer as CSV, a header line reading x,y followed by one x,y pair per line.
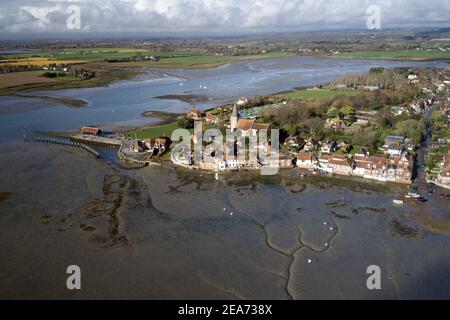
x,y
419,174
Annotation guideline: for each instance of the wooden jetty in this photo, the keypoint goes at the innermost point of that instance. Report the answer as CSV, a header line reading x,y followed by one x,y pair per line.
x,y
67,143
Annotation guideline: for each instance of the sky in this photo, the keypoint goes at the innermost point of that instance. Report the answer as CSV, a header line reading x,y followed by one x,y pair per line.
x,y
213,16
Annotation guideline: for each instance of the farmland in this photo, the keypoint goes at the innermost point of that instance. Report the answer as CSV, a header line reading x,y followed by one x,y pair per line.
x,y
168,59
36,61
396,55
21,79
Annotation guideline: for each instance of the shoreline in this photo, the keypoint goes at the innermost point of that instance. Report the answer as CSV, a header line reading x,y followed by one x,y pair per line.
x,y
73,103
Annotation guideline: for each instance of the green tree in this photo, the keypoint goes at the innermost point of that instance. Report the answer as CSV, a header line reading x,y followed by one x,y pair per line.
x,y
185,122
333,112
347,111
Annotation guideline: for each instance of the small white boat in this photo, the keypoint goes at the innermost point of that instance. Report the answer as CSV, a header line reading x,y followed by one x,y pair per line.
x,y
396,201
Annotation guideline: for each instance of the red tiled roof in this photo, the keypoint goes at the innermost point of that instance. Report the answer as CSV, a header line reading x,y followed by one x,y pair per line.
x,y
245,124
90,130
260,126
305,156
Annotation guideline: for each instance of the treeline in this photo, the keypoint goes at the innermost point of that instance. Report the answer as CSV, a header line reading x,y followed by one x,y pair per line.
x,y
11,69
377,77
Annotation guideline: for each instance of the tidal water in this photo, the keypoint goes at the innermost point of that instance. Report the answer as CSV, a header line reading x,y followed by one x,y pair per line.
x,y
122,102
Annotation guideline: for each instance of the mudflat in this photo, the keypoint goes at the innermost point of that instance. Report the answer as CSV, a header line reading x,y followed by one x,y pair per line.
x,y
159,233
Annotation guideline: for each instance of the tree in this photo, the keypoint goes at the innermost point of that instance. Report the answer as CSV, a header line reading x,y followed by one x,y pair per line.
x,y
333,112
365,137
185,122
385,118
347,111
411,128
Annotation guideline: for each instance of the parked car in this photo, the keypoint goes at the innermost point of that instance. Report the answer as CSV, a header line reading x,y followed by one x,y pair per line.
x,y
442,195
447,196
422,199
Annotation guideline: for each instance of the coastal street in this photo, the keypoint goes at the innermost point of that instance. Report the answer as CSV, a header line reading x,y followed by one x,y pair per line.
x,y
419,172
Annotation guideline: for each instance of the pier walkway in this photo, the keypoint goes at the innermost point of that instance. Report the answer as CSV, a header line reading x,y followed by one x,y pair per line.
x,y
67,143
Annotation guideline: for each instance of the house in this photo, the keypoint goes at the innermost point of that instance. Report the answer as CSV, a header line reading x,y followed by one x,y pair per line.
x,y
245,125
363,153
413,79
91,131
294,142
392,139
306,160
310,145
343,146
397,169
211,118
340,165
283,161
260,126
195,113
328,147
399,110
394,150
160,143
444,174
323,161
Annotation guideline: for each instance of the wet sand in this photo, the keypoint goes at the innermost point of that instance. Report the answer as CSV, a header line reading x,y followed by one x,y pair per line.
x,y
157,233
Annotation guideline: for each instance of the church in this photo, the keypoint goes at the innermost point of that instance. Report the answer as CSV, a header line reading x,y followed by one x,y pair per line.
x,y
249,127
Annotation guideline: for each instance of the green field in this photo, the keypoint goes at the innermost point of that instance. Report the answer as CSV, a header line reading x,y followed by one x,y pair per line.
x,y
156,131
100,54
168,59
318,94
400,54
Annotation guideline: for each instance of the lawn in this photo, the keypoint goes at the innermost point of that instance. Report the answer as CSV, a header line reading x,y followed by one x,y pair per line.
x,y
318,94
156,131
399,54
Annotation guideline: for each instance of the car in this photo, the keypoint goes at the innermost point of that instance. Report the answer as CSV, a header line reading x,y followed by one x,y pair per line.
x,y
430,191
414,195
447,196
442,195
414,188
422,199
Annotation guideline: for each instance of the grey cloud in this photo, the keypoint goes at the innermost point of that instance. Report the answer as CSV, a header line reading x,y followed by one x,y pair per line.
x,y
216,15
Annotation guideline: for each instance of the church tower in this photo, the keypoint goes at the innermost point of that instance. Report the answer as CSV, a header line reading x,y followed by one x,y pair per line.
x,y
234,118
